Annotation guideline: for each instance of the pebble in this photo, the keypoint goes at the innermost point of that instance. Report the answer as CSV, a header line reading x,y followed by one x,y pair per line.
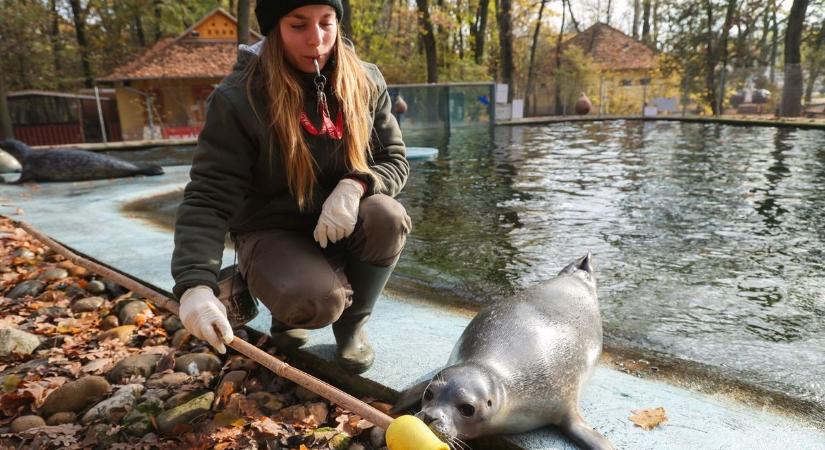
x,y
185,413
13,340
51,312
29,287
194,363
96,287
23,423
238,362
378,437
122,333
235,379
143,365
181,338
53,341
129,312
61,418
170,380
75,395
53,274
172,324
87,304
179,399
139,420
115,407
109,322
23,252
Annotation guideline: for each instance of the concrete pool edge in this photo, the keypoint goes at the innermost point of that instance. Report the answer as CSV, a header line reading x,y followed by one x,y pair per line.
x,y
544,120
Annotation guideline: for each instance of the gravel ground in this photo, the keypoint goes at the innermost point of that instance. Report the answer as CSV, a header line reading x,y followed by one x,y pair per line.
x,y
86,364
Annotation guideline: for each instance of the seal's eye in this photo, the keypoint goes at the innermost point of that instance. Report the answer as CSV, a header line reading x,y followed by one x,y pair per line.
x,y
428,395
466,410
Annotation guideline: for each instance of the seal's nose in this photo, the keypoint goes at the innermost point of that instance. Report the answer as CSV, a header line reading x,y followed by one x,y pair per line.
x,y
426,418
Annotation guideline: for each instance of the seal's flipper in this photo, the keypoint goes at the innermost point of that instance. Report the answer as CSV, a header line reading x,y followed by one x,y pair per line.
x,y
410,399
584,263
584,436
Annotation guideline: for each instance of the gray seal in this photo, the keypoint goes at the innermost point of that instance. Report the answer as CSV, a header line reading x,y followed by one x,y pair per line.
x,y
68,164
519,365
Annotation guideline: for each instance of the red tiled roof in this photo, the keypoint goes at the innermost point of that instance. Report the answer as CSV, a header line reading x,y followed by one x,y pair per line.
x,y
185,56
172,58
612,49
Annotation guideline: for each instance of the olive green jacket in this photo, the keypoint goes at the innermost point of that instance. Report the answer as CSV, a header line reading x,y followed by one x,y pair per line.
x,y
237,187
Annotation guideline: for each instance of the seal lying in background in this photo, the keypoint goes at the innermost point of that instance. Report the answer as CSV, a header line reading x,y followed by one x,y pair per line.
x,y
519,365
71,164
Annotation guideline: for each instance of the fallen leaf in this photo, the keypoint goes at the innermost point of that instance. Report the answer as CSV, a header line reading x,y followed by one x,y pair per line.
x,y
648,419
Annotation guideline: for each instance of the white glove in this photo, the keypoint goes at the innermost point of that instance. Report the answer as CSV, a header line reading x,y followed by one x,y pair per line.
x,y
339,213
201,312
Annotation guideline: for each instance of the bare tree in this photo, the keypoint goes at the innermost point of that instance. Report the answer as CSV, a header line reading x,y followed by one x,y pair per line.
x,y
5,119
79,16
724,60
637,12
531,69
816,63
792,88
243,21
559,108
428,38
505,37
54,38
646,21
479,29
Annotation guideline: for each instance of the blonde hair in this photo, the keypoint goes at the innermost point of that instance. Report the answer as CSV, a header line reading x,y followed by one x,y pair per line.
x,y
351,86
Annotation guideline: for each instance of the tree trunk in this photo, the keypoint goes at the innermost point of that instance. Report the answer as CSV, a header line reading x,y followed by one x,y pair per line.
x,y
607,14
774,45
710,61
792,89
243,22
82,44
5,119
346,22
428,39
54,37
531,69
158,18
141,36
637,10
559,108
572,17
481,29
720,99
646,22
655,14
505,37
816,64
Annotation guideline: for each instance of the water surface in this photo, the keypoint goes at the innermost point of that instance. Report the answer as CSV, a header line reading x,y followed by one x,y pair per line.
x,y
708,240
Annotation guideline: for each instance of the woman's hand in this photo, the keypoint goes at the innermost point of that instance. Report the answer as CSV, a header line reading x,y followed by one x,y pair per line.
x,y
201,312
340,212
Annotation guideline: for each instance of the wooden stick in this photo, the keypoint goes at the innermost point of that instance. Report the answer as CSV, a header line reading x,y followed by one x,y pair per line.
x,y
272,363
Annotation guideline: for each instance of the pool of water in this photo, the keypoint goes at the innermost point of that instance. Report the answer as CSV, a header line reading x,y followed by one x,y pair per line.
x,y
708,240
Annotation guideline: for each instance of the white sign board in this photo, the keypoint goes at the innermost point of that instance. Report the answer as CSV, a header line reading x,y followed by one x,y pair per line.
x,y
501,93
518,108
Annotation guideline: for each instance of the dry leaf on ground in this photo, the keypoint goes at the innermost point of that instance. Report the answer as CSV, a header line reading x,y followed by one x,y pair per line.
x,y
648,419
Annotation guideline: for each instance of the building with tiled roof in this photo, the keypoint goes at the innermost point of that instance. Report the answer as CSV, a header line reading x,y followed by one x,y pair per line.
x,y
613,50
620,77
162,92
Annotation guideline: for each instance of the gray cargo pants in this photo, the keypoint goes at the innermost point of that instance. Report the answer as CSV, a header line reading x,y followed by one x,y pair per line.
x,y
303,285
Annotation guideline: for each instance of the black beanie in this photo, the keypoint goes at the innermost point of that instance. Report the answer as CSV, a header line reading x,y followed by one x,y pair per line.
x,y
269,12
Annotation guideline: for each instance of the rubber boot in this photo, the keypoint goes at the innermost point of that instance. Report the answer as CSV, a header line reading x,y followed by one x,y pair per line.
x,y
287,338
354,353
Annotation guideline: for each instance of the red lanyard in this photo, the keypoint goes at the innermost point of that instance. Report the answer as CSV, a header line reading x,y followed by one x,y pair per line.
x,y
334,131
